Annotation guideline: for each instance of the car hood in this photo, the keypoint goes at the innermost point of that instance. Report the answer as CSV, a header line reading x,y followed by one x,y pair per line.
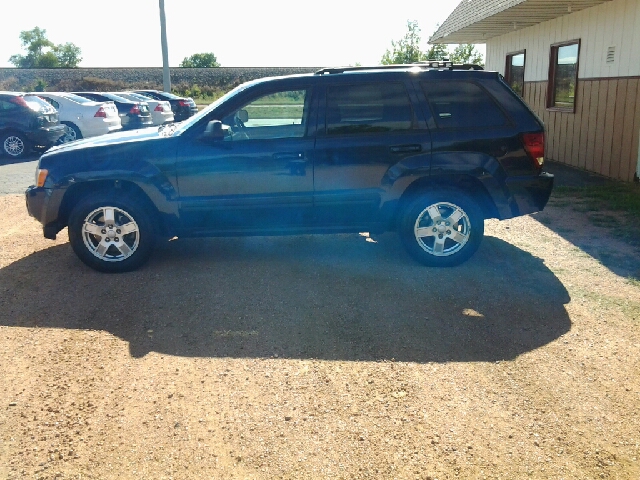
x,y
108,139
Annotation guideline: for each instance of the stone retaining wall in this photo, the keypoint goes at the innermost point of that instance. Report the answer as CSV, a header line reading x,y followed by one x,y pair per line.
x,y
215,77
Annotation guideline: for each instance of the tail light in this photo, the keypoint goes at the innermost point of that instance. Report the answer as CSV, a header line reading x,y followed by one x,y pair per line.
x,y
19,101
101,113
534,146
183,103
158,108
135,109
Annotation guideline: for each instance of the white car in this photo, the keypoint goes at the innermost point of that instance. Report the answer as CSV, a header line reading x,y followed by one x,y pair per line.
x,y
82,117
160,109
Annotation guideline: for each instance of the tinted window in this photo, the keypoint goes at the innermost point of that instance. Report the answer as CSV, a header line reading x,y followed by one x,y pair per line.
x,y
5,105
368,108
459,104
51,101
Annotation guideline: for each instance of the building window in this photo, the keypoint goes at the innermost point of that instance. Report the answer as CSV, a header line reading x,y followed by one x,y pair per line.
x,y
514,71
563,76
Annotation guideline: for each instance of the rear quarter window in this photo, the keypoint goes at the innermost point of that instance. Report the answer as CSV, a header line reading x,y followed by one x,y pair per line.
x,y
460,104
368,108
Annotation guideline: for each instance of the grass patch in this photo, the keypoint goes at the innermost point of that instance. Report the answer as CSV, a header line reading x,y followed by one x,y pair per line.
x,y
621,199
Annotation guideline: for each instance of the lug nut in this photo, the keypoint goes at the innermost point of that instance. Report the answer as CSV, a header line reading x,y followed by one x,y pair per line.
x,y
440,236
103,231
448,232
118,231
116,239
435,229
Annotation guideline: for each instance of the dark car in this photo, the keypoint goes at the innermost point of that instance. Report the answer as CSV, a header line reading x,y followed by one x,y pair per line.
x,y
26,121
427,151
182,107
132,114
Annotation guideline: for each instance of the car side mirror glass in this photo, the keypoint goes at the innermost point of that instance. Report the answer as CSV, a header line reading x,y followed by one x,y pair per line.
x,y
243,115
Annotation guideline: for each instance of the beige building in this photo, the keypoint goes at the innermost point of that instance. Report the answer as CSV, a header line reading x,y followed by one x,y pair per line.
x,y
575,62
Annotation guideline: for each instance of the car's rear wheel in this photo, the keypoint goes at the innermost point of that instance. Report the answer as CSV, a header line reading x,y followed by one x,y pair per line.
x,y
71,133
14,144
111,233
442,228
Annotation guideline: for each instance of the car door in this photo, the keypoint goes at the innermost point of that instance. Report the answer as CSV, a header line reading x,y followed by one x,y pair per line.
x,y
371,135
259,178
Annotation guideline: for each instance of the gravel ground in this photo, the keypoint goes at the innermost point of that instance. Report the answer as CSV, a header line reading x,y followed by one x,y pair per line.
x,y
322,357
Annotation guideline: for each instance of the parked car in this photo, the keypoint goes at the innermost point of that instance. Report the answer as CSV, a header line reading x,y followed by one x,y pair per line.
x,y
132,114
160,109
81,116
182,107
429,151
26,121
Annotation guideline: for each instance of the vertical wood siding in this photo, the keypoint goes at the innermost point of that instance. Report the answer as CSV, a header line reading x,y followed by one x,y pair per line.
x,y
602,136
611,24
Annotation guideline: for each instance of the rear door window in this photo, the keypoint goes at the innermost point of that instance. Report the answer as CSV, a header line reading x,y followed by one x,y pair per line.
x,y
460,104
368,108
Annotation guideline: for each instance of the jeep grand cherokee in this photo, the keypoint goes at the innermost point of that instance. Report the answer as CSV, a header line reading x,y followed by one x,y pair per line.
x,y
429,151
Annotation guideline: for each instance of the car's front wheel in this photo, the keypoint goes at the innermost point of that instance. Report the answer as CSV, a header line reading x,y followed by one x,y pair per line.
x,y
14,144
111,233
442,228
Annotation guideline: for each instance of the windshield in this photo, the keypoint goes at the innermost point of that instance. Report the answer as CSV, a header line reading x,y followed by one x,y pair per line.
x,y
116,98
185,125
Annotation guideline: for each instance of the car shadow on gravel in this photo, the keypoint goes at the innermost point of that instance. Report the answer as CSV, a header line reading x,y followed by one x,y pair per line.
x,y
334,297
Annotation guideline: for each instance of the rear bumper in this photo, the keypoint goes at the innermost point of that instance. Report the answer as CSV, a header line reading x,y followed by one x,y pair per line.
x,y
529,194
46,136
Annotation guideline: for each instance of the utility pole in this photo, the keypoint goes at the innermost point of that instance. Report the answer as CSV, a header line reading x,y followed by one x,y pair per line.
x,y
166,76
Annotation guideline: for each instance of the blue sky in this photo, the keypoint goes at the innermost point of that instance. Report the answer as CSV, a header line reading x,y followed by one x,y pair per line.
x,y
126,33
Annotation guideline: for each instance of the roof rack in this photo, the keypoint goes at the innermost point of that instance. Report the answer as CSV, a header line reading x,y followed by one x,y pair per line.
x,y
429,64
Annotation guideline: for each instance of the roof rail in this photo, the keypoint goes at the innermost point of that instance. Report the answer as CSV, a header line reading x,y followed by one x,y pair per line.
x,y
429,64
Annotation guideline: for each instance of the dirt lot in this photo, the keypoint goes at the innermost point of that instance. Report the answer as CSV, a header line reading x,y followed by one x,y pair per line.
x,y
323,357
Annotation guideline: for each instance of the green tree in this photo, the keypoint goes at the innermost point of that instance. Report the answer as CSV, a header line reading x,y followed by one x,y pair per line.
x,y
200,60
407,49
68,55
438,51
467,53
42,53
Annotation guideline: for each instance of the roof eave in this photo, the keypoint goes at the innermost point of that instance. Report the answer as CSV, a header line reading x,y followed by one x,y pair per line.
x,y
476,21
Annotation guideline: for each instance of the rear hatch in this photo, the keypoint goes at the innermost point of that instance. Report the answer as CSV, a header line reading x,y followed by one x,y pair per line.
x,y
47,116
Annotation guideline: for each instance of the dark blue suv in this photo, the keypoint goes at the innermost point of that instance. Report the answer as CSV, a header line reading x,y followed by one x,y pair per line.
x,y
429,151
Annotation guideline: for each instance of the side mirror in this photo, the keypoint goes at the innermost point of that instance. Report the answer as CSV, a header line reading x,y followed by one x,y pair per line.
x,y
243,115
216,130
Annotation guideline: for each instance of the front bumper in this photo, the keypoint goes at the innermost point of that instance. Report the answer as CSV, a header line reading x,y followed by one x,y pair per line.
x,y
40,203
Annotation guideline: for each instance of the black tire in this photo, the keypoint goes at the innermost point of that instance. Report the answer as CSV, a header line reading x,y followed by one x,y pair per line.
x,y
442,228
72,133
14,144
96,239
